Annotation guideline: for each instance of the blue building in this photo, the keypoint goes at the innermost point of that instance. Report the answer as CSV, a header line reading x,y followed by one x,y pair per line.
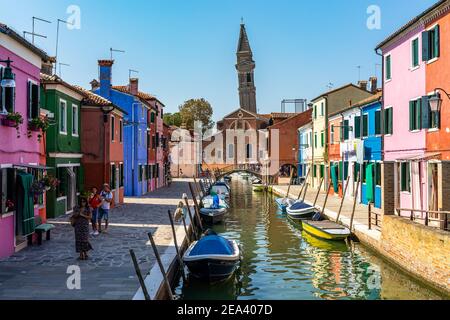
x,y
305,150
135,127
371,135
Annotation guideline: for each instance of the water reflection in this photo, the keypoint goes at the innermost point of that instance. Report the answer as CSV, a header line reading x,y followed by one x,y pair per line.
x,y
282,262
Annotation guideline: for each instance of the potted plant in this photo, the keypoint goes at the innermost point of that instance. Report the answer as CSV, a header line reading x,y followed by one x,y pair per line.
x,y
50,182
10,207
38,124
37,188
14,120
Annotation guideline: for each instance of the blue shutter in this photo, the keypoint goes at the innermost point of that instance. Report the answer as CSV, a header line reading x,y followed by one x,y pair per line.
x,y
425,46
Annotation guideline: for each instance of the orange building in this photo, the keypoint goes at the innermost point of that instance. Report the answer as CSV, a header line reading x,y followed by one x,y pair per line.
x,y
334,149
438,122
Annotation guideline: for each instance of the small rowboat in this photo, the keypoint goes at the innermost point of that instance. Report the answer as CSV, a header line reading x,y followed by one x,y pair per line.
x,y
300,210
208,202
283,203
326,229
212,258
222,190
258,187
212,216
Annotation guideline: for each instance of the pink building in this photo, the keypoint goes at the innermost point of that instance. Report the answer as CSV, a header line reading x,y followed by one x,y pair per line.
x,y
20,148
404,92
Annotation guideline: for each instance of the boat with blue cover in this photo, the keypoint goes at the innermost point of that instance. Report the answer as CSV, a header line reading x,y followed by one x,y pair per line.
x,y
212,258
215,212
283,203
300,210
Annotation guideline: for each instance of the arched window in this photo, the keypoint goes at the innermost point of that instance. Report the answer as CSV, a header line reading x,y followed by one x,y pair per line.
x,y
249,77
249,151
231,151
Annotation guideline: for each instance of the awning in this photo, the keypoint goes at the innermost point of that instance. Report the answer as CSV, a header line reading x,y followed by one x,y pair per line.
x,y
422,157
31,166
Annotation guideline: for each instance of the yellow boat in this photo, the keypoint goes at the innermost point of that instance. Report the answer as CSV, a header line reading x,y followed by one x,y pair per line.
x,y
327,230
258,187
324,244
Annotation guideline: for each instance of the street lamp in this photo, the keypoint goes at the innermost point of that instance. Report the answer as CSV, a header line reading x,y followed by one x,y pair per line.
x,y
106,110
8,77
436,100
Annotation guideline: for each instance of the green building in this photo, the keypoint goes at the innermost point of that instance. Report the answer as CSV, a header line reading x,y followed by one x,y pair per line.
x,y
62,103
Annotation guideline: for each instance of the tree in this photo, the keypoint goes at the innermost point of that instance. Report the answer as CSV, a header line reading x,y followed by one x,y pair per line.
x,y
197,110
173,119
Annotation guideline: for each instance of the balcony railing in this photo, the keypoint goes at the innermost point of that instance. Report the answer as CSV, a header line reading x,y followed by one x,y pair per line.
x,y
435,219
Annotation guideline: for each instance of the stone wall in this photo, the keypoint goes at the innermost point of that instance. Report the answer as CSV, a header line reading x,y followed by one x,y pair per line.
x,y
422,251
388,187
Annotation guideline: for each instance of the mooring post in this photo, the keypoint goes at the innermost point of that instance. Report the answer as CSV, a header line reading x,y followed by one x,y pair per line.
x,y
343,199
194,225
180,261
354,203
303,186
161,267
139,275
197,208
197,186
290,182
326,197
305,191
369,209
318,192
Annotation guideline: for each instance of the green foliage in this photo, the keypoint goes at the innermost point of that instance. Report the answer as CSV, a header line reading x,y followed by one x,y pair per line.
x,y
173,119
197,110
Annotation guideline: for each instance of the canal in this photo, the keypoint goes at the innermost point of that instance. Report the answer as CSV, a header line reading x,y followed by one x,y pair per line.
x,y
280,262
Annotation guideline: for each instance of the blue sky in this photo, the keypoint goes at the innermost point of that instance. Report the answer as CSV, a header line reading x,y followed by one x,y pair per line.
x,y
186,49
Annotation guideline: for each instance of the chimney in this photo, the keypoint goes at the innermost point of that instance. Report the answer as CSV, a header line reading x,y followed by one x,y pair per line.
x,y
363,84
94,85
134,86
105,70
47,66
373,84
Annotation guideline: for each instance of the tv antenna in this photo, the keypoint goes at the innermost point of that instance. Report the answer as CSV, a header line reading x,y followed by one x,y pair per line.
x,y
111,50
62,64
33,34
330,86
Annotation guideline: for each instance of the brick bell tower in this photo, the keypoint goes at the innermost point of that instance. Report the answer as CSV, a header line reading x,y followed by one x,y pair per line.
x,y
245,67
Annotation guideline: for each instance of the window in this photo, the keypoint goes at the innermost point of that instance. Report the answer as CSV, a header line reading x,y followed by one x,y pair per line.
x,y
121,175
152,117
365,132
345,170
430,119
356,170
322,170
388,68
7,96
231,151
62,116
33,100
415,53
346,130
340,170
378,122
149,138
315,140
322,138
415,115
405,177
315,112
363,172
315,171
121,131
430,44
388,121
157,140
140,172
249,151
112,178
249,77
74,120
219,155
113,128
332,134
378,174
357,126
153,142
322,109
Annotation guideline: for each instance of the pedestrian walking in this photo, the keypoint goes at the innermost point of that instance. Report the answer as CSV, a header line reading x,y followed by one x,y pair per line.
x,y
106,197
80,221
94,202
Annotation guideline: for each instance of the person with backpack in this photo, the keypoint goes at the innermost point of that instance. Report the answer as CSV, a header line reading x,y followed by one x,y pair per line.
x,y
106,197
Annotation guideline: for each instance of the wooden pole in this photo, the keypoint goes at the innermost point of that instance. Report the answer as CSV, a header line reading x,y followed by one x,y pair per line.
x,y
139,275
306,190
369,209
197,209
174,233
318,192
343,199
304,184
186,231
354,204
290,182
161,267
193,223
326,198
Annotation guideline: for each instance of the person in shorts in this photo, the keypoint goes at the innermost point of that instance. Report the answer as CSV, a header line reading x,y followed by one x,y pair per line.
x,y
106,197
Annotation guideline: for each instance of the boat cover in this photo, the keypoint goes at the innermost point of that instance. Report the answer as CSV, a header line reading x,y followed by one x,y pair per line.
x,y
299,206
212,245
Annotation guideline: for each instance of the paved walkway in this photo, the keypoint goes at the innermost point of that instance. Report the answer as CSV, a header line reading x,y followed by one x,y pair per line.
x,y
361,217
40,272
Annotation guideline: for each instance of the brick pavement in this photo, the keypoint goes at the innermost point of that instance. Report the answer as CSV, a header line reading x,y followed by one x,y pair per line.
x,y
39,272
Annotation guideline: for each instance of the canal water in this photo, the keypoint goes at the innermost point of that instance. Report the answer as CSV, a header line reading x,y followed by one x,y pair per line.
x,y
281,262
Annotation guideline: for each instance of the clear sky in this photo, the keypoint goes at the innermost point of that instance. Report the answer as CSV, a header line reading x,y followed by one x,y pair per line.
x,y
186,48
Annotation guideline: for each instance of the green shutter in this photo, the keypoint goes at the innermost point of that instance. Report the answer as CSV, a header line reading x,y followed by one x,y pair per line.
x,y
322,171
419,114
411,115
388,67
415,53
425,46
357,127
365,125
356,171
378,122
315,171
426,113
322,139
346,129
340,170
388,121
436,44
332,134
315,112
345,170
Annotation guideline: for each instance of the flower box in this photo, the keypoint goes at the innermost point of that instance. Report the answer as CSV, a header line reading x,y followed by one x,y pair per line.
x,y
9,123
34,127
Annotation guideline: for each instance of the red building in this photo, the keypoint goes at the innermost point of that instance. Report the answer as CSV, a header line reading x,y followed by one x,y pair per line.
x,y
102,144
